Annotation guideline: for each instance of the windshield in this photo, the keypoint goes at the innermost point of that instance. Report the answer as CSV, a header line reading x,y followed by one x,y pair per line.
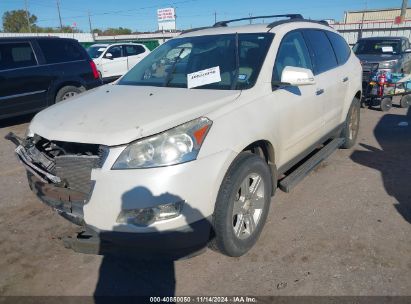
x,y
95,51
206,62
375,46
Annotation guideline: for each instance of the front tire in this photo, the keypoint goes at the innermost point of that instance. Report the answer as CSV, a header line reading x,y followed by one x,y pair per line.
x,y
351,125
242,205
386,104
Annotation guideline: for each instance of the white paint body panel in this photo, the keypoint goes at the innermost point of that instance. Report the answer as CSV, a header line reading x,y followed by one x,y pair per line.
x,y
290,119
117,66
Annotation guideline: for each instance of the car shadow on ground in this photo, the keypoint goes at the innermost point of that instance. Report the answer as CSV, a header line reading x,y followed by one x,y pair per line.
x,y
131,270
8,122
393,160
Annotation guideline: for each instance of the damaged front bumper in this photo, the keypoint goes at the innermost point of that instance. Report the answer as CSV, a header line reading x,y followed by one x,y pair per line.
x,y
62,182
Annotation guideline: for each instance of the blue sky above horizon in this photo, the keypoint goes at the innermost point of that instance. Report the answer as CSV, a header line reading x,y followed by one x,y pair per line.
x,y
140,15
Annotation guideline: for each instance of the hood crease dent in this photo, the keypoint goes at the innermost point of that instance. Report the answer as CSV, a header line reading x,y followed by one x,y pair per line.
x,y
117,114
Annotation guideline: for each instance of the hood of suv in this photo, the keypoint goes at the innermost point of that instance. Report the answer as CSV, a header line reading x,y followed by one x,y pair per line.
x,y
118,114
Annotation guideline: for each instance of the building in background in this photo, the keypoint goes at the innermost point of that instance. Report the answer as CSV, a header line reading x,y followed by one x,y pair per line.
x,y
375,15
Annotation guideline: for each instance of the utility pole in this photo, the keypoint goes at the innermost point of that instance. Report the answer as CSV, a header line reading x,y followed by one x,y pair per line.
x,y
27,15
215,17
251,20
58,9
89,24
403,9
362,19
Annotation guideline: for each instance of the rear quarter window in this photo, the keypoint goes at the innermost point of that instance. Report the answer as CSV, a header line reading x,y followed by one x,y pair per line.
x,y
58,51
340,46
321,51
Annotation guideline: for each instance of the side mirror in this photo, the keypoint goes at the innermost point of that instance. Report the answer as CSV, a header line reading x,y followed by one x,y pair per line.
x,y
407,51
297,76
108,56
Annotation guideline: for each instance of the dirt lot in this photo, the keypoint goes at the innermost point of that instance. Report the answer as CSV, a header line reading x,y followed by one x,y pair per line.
x,y
345,230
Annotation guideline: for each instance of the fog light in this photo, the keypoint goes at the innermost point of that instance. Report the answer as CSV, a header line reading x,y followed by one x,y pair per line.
x,y
147,216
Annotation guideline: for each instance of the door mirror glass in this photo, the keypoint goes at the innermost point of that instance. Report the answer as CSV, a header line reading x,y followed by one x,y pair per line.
x,y
297,76
108,56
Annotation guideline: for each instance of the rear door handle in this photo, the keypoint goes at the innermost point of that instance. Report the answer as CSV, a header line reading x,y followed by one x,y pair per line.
x,y
319,91
345,79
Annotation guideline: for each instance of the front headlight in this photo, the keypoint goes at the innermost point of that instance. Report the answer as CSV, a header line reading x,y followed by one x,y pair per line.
x,y
178,145
388,64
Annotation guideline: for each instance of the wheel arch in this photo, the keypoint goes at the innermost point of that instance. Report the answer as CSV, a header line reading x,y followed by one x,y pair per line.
x,y
265,150
57,87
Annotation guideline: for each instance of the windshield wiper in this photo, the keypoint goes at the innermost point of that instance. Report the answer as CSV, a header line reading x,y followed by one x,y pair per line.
x,y
169,76
237,63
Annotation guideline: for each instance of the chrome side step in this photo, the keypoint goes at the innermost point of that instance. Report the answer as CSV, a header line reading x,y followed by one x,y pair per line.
x,y
291,180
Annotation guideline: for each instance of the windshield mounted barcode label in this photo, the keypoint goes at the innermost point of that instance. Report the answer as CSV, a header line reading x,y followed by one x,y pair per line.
x,y
203,77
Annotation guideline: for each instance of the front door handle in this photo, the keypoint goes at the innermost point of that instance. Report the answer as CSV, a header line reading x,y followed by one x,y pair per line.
x,y
319,91
345,79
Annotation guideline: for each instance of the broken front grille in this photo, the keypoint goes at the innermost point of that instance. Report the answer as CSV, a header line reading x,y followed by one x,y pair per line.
x,y
75,171
65,165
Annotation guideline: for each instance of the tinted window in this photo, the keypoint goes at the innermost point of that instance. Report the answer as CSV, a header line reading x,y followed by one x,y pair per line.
x,y
16,55
377,46
292,52
132,50
115,51
322,51
341,48
60,50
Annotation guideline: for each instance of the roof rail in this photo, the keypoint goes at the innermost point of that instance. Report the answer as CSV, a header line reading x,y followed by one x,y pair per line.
x,y
276,23
225,23
194,29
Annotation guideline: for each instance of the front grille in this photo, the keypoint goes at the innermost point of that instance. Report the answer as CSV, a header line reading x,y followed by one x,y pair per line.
x,y
75,171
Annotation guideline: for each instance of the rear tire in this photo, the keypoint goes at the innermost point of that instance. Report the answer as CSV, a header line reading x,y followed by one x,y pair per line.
x,y
386,104
242,205
68,92
351,125
405,101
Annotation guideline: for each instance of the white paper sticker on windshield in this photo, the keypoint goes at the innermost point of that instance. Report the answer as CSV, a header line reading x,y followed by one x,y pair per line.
x,y
101,49
203,77
387,49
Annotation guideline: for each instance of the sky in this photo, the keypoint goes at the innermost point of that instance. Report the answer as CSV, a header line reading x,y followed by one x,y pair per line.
x,y
140,15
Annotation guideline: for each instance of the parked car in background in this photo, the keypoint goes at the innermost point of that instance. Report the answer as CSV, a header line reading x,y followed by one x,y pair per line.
x,y
392,54
36,72
114,60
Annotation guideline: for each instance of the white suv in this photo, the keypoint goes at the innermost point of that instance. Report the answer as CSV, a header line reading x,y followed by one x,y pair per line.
x,y
189,146
114,60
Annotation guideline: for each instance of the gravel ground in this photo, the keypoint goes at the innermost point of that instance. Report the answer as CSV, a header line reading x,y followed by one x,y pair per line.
x,y
344,230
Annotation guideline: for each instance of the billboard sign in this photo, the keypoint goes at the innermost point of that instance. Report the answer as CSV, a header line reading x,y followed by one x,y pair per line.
x,y
166,19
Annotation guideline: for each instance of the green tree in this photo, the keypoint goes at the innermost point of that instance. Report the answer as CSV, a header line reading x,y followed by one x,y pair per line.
x,y
117,31
16,21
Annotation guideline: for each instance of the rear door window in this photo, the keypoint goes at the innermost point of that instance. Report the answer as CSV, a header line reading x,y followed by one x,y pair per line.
x,y
115,51
321,51
340,46
132,50
292,52
16,55
60,50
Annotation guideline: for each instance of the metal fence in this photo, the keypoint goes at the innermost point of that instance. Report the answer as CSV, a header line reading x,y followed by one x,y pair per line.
x,y
353,31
